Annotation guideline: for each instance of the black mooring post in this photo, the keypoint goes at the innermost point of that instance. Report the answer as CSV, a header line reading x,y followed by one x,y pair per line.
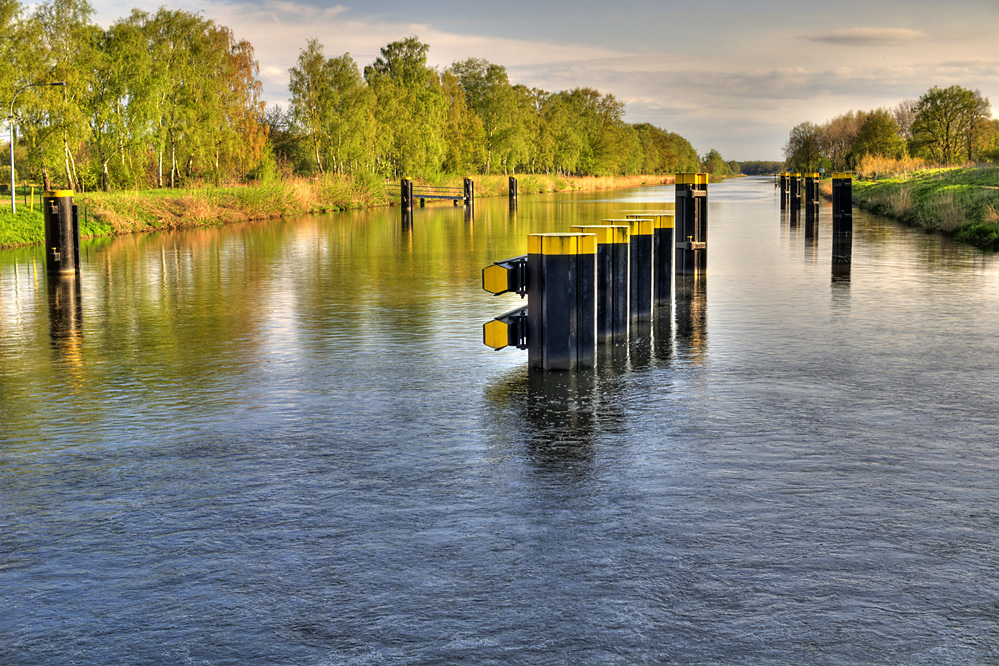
x,y
513,189
62,232
468,189
811,205
641,243
613,261
842,209
406,190
783,190
794,191
662,256
691,223
561,301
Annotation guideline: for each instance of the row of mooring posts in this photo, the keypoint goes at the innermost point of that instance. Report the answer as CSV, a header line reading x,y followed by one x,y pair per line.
x,y
598,283
789,185
409,194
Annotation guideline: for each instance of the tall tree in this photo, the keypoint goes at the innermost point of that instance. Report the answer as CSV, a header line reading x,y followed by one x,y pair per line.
x,y
944,127
411,108
804,147
878,135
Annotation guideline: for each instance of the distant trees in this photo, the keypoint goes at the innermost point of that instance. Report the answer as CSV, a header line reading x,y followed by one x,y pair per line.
x,y
171,98
467,118
944,126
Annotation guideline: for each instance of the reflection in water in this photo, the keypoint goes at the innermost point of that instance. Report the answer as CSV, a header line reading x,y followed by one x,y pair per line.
x,y
692,316
65,306
811,238
842,257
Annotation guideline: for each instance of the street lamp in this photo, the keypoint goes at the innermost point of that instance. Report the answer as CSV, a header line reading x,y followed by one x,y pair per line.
x,y
10,119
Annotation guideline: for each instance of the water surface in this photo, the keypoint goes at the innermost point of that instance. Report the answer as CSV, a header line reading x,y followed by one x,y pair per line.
x,y
284,443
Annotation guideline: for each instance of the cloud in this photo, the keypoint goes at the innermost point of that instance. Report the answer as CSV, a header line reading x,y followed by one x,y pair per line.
x,y
869,36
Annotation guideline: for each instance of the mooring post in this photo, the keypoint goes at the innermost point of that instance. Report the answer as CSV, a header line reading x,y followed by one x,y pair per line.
x,y
783,190
662,255
62,232
691,223
613,267
513,190
811,204
406,194
561,301
795,190
640,233
468,188
842,226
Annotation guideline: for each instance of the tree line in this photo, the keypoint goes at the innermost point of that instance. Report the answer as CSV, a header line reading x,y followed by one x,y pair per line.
x,y
945,126
172,98
400,116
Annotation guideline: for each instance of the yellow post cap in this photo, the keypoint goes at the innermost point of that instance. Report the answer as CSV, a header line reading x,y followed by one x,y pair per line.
x,y
57,194
606,234
842,174
640,226
561,244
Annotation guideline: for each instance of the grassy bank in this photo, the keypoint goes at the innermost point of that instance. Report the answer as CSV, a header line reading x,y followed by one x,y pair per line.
x,y
963,203
115,213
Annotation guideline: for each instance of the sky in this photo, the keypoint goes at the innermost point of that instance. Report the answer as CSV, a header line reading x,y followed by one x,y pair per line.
x,y
732,75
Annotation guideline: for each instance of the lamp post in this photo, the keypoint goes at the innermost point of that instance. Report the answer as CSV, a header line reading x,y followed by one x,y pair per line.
x,y
10,119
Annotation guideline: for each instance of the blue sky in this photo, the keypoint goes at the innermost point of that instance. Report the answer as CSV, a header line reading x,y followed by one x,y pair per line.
x,y
735,76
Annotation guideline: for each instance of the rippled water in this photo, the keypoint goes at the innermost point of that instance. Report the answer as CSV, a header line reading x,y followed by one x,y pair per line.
x,y
285,443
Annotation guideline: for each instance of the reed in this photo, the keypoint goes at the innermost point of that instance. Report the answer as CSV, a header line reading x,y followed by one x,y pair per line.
x,y
116,213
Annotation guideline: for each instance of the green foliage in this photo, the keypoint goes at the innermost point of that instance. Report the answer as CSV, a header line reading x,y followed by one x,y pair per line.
x,y
950,124
803,149
962,202
878,134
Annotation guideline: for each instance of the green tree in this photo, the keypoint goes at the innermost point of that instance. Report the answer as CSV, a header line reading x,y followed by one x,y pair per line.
x,y
947,123
464,136
309,104
410,108
878,135
803,149
716,165
63,40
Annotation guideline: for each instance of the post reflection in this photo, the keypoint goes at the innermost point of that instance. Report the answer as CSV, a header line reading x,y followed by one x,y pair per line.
x,y
556,416
65,307
692,317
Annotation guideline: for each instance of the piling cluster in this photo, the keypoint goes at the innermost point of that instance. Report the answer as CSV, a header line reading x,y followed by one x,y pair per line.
x,y
595,284
789,186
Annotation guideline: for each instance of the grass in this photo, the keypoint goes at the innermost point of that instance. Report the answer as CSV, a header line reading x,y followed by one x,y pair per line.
x,y
116,213
960,202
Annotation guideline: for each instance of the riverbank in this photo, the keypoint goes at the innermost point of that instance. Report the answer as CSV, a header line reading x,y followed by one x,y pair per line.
x,y
961,202
117,213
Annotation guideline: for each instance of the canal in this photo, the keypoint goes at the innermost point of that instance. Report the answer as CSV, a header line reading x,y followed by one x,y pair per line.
x,y
285,443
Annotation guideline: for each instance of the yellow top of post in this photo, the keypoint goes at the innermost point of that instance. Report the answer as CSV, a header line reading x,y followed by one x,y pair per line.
x,y
606,234
561,244
842,174
811,175
660,220
691,179
639,226
57,194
